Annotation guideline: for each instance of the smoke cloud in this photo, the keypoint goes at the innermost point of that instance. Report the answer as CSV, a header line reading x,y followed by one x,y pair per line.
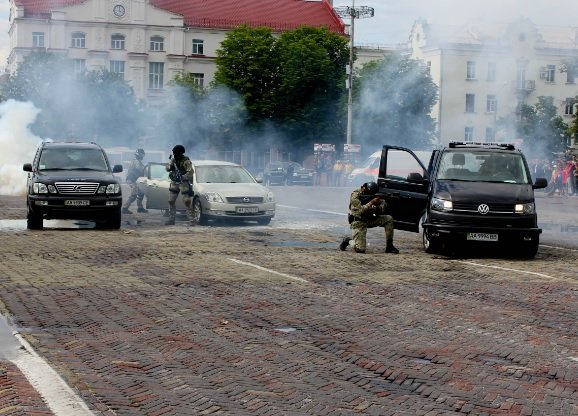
x,y
17,145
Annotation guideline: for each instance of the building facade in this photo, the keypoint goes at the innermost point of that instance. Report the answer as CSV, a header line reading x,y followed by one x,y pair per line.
x,y
487,72
148,42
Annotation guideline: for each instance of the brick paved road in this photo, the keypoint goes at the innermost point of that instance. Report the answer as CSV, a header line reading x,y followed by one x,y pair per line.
x,y
151,321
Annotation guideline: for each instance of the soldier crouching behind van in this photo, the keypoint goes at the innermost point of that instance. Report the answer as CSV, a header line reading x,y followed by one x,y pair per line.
x,y
181,175
367,215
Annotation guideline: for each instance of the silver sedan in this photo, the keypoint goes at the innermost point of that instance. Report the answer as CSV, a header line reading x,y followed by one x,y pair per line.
x,y
223,191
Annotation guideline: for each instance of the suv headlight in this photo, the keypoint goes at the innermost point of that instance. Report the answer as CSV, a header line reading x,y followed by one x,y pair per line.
x,y
113,188
528,208
213,197
438,204
42,188
270,197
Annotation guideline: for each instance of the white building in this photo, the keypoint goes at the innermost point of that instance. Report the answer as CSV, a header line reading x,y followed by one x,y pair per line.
x,y
487,72
150,41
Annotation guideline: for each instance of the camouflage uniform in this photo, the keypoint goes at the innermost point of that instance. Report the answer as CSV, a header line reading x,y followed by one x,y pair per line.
x,y
367,216
135,170
185,167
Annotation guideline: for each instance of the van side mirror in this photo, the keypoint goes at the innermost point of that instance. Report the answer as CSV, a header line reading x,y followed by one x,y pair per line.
x,y
540,183
414,177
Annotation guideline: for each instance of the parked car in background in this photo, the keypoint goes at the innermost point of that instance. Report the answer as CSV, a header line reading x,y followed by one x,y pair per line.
x,y
298,175
223,191
274,173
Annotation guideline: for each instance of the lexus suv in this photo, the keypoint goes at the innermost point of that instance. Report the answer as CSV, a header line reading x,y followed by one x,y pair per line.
x,y
73,180
470,195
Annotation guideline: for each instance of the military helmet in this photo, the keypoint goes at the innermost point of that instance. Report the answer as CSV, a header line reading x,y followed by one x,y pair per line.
x,y
179,150
371,187
139,154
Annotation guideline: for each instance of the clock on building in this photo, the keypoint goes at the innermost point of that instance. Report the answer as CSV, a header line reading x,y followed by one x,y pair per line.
x,y
118,10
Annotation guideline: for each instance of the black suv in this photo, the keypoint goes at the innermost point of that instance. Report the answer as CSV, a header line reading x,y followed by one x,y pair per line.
x,y
478,194
71,180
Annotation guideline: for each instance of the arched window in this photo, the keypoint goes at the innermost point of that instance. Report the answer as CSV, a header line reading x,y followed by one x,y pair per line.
x,y
157,43
78,40
117,41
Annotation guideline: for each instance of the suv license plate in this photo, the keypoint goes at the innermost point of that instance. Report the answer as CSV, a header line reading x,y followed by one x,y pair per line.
x,y
482,237
247,210
77,202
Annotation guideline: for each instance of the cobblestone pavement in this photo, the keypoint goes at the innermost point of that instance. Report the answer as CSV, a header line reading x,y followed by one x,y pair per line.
x,y
151,320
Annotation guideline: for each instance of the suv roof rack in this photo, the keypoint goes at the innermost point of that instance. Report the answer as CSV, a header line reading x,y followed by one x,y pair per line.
x,y
486,145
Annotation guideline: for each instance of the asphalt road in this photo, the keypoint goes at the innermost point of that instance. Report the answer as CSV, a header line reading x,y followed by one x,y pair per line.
x,y
275,320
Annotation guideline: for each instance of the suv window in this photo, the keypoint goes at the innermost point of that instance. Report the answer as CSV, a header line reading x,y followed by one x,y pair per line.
x,y
72,159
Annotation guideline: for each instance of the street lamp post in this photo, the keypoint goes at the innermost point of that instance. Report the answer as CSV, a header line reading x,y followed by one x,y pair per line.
x,y
353,13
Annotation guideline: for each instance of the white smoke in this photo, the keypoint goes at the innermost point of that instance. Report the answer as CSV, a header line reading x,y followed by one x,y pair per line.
x,y
17,145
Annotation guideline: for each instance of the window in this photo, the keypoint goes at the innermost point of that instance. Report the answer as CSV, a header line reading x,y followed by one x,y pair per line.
x,y
117,41
156,70
78,40
469,134
569,106
38,39
117,67
198,79
550,73
491,71
491,104
198,47
471,70
490,134
570,74
470,103
157,43
79,66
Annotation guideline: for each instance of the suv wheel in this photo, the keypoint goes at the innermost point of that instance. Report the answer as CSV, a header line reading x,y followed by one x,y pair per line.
x,y
34,221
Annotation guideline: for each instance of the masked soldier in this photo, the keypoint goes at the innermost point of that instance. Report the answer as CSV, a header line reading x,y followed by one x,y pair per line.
x,y
364,215
181,175
135,171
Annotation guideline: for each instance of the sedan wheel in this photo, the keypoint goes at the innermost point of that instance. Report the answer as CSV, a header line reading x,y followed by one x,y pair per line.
x,y
198,215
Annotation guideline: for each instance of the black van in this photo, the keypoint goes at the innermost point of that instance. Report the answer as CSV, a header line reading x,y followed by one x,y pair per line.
x,y
471,194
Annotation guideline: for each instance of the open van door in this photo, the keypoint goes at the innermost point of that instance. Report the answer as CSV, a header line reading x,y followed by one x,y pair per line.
x,y
404,183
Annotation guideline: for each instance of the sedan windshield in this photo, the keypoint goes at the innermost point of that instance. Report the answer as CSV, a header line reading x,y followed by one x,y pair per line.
x,y
223,174
483,167
72,159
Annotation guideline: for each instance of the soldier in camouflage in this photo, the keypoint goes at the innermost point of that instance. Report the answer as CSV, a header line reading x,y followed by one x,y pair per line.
x,y
181,175
367,215
135,171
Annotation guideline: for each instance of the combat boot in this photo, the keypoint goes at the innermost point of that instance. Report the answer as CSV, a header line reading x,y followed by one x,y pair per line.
x,y
358,250
143,210
389,247
344,243
126,211
171,221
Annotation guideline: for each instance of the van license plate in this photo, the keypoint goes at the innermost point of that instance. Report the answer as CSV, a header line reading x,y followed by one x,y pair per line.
x,y
77,203
482,237
247,210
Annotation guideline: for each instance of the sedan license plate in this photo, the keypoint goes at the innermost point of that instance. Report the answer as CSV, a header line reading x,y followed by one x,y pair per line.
x,y
482,237
77,202
247,210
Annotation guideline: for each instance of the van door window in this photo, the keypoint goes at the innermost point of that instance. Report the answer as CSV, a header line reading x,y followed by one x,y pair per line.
x,y
400,164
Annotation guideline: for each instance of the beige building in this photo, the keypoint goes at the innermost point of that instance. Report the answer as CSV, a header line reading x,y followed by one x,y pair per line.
x,y
148,42
488,72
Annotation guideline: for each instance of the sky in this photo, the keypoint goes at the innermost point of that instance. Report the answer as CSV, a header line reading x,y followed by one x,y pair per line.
x,y
393,20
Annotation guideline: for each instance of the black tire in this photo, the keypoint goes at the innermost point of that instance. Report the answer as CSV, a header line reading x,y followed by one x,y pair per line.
x,y
528,250
112,222
198,215
34,221
431,244
264,221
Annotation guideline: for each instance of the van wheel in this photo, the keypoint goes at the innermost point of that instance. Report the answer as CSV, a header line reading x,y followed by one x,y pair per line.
x,y
529,250
34,221
431,245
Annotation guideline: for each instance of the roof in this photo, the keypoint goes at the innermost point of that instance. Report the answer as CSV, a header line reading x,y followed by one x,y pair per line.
x,y
226,14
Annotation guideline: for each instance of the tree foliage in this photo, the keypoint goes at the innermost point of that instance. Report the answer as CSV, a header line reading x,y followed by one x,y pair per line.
x,y
392,103
541,128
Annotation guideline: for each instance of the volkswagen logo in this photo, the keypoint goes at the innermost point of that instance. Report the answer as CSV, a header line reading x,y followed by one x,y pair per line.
x,y
483,209
246,199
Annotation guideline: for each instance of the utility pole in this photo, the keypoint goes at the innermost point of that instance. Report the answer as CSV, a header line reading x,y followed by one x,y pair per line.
x,y
353,13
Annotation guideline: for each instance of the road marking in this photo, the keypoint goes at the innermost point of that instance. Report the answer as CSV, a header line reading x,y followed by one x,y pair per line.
x,y
506,269
313,210
558,248
57,395
270,271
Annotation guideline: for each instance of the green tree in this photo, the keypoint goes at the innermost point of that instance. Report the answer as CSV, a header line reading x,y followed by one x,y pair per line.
x,y
392,103
541,128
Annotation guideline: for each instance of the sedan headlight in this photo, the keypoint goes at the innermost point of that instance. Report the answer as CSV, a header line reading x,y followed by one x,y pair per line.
x,y
528,208
213,197
438,204
270,197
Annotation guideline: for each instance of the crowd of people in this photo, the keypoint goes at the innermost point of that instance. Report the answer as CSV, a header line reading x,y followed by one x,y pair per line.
x,y
330,172
561,173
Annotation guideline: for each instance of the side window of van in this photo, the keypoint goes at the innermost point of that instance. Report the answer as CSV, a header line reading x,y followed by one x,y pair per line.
x,y
400,164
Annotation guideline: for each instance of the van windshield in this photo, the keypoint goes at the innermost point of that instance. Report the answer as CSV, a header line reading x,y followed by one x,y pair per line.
x,y
480,166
